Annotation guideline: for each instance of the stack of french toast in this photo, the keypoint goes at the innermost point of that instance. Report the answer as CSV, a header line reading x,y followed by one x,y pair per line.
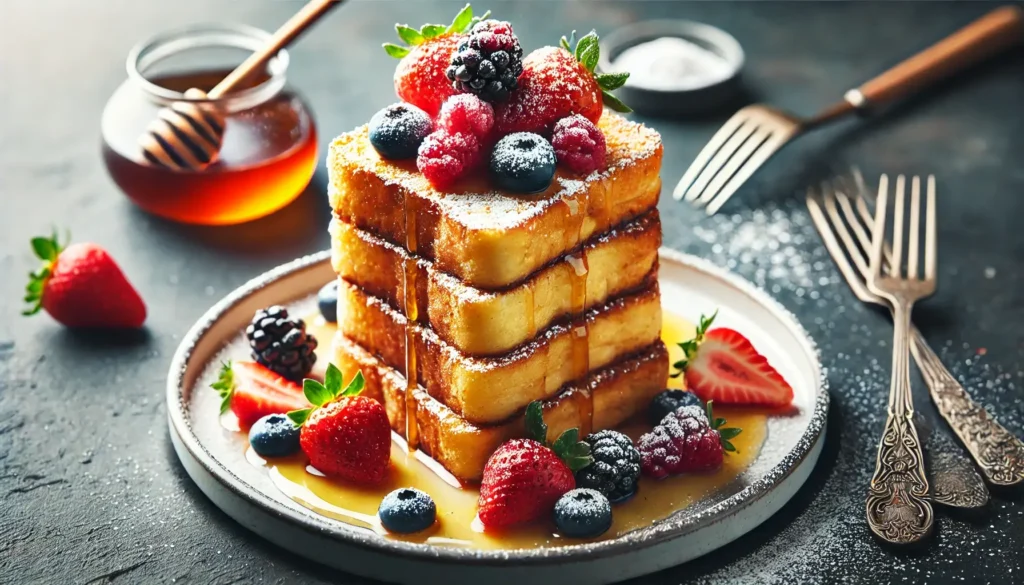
x,y
478,302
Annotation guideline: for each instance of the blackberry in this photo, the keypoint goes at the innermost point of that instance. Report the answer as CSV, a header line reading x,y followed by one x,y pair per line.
x,y
669,401
616,467
488,62
281,344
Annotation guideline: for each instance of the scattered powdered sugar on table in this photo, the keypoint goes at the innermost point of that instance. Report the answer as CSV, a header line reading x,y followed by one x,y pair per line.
x,y
821,535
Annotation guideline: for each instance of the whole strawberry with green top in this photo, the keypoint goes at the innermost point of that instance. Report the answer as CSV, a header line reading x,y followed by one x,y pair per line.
x,y
556,83
345,435
525,477
81,286
420,76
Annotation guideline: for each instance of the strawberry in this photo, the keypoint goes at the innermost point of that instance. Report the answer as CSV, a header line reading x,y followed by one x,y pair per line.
x,y
420,76
556,83
525,477
252,391
722,365
82,286
344,435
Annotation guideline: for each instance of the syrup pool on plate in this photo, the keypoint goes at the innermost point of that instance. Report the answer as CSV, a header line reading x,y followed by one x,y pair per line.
x,y
456,505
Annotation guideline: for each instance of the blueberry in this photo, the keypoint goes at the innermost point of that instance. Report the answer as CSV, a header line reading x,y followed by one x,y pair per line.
x,y
274,435
407,510
583,513
668,401
397,131
523,162
327,298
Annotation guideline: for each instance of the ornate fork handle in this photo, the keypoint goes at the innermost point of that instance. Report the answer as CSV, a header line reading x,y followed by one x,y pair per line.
x,y
898,509
999,454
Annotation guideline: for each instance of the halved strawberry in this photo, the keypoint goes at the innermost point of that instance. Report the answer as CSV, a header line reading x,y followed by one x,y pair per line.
x,y
252,391
722,365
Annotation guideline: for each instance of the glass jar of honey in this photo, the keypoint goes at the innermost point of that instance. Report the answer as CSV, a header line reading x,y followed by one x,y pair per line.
x,y
269,151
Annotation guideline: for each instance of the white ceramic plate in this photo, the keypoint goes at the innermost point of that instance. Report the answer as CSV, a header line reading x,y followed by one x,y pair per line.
x,y
689,286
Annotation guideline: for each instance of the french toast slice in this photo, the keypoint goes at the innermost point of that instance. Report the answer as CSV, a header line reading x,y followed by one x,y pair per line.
x,y
619,391
486,390
487,238
481,322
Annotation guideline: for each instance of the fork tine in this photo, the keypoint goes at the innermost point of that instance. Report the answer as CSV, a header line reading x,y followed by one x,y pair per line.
x,y
896,264
863,239
878,232
931,237
835,249
709,150
710,184
915,220
753,163
746,135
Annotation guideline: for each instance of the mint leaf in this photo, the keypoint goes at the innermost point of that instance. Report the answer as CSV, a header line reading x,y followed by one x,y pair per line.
x,y
610,81
299,416
430,31
408,34
536,428
396,51
462,20
355,386
332,380
316,393
615,104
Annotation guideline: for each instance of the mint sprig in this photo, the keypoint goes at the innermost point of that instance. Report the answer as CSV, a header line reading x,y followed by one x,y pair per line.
x,y
225,385
690,346
46,249
588,52
412,37
568,447
319,394
725,434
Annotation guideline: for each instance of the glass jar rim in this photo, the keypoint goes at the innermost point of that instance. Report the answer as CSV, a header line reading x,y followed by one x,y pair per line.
x,y
165,44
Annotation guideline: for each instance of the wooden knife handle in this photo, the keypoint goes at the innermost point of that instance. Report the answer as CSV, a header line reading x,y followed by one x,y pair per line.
x,y
991,34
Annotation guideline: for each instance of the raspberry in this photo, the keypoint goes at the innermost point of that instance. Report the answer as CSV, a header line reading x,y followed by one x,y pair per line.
x,y
579,144
466,113
444,157
684,441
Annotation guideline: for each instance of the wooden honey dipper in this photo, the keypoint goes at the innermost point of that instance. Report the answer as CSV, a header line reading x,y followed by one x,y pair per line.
x,y
187,136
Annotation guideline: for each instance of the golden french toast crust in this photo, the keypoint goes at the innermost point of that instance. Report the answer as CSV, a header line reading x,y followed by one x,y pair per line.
x,y
620,391
487,238
482,323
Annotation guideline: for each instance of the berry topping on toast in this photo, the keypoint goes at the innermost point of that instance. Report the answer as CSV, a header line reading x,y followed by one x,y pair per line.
x,y
525,477
579,144
722,365
556,83
488,62
81,286
345,435
420,77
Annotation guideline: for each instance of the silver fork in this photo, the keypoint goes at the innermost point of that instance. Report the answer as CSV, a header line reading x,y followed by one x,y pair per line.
x,y
847,234
898,509
756,132
997,452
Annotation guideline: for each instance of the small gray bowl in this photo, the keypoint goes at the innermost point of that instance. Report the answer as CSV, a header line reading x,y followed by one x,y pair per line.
x,y
665,101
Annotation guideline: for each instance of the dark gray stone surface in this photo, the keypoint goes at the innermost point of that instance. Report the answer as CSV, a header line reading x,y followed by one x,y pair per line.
x,y
90,489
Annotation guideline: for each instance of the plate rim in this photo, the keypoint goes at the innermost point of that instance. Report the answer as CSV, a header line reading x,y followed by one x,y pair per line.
x,y
662,531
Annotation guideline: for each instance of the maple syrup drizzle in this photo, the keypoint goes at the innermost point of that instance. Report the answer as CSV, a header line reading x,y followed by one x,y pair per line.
x,y
412,314
578,303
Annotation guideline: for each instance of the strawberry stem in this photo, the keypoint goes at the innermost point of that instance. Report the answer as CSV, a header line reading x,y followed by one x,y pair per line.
x,y
46,249
691,346
225,385
568,447
725,435
588,52
412,37
332,388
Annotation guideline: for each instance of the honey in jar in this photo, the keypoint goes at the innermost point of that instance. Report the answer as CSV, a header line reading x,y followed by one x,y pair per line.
x,y
269,151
